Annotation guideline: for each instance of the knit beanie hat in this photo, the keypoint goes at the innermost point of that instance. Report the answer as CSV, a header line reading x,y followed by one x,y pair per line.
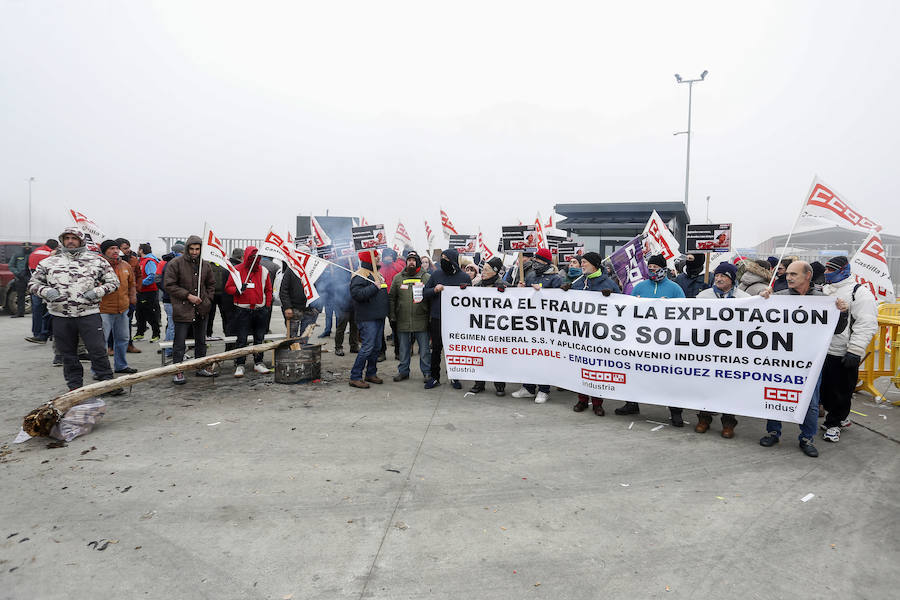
x,y
837,263
107,244
773,262
726,268
412,254
365,258
496,264
544,255
593,258
658,260
178,248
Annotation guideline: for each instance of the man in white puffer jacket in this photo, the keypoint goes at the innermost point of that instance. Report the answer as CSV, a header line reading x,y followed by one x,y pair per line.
x,y
847,349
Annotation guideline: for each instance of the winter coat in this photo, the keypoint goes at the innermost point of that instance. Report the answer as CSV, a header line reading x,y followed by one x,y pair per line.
x,y
408,315
691,284
389,272
755,278
596,284
18,263
664,289
841,324
258,290
37,255
117,302
291,293
780,284
863,317
711,293
72,273
550,278
439,277
370,299
181,280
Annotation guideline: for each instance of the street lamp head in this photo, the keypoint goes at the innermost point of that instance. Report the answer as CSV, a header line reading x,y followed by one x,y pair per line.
x,y
677,77
704,74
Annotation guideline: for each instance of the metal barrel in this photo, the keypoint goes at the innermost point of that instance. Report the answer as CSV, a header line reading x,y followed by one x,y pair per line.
x,y
297,366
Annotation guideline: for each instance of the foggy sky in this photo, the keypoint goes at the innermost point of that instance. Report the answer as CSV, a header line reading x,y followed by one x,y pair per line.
x,y
153,117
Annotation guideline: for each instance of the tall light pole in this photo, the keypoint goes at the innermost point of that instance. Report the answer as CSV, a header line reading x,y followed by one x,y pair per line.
x,y
687,169
30,181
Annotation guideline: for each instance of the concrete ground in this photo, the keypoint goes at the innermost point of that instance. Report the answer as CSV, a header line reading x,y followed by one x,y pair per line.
x,y
249,489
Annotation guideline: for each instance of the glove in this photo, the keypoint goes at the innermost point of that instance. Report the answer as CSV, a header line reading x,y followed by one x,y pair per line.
x,y
501,288
463,286
606,293
565,287
851,361
91,295
51,295
243,288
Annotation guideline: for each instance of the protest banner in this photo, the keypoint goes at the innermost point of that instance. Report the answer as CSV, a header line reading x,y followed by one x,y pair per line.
x,y
569,250
553,242
464,244
213,250
519,238
824,206
751,356
660,240
305,266
369,237
870,268
629,265
92,234
708,238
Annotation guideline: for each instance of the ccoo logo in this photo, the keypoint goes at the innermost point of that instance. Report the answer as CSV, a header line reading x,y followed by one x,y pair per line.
x,y
782,395
603,376
466,361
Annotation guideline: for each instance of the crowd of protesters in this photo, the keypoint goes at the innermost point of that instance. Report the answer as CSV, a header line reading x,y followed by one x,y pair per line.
x,y
89,303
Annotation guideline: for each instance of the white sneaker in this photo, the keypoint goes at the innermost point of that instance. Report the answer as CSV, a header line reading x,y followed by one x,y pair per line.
x,y
541,397
832,434
261,368
846,423
239,371
522,393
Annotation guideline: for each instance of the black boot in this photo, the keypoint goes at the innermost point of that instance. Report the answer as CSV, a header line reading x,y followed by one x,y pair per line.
x,y
675,414
629,408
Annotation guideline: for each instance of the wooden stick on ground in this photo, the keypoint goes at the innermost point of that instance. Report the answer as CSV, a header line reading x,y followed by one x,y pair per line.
x,y
42,419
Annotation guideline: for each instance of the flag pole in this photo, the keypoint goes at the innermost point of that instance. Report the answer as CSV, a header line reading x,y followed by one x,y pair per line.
x,y
788,240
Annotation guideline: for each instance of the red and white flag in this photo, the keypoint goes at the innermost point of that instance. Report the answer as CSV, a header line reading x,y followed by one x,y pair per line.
x,y
542,238
549,224
92,234
870,268
486,253
213,250
825,206
362,222
320,238
447,225
304,266
401,237
429,235
660,240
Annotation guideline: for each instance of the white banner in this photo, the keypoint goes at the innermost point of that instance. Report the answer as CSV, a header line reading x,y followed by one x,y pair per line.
x,y
277,247
660,240
213,250
750,356
92,234
824,206
869,267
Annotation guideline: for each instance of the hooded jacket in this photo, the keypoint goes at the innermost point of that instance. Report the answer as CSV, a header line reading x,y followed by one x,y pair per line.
x,y
863,317
409,315
73,273
291,292
597,283
691,284
258,290
458,277
370,299
182,276
754,279
651,289
550,278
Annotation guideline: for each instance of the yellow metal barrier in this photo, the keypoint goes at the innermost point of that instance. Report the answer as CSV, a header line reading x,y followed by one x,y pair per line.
x,y
880,361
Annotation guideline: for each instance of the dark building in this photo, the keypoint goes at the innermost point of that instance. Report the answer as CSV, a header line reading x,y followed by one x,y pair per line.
x,y
605,227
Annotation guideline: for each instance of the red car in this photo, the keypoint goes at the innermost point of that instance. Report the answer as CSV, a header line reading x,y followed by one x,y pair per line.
x,y
8,296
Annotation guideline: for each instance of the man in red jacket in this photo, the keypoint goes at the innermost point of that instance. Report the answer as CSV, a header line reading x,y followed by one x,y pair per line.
x,y
251,307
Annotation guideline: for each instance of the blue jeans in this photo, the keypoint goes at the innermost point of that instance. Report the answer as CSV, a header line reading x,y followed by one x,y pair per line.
x,y
406,340
170,326
117,325
330,315
40,322
370,333
808,427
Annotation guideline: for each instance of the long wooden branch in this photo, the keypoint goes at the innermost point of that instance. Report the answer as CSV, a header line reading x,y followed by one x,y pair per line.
x,y
42,419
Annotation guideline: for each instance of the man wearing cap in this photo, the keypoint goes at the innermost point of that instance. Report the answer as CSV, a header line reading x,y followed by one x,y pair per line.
x,y
490,277
543,275
723,287
72,281
658,286
840,372
370,299
593,279
114,306
798,275
409,315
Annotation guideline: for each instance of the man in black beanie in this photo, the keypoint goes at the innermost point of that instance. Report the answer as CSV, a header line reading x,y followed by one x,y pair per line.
x,y
692,279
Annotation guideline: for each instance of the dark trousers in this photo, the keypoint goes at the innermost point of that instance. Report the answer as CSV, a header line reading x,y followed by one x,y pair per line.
x,y
21,292
838,384
300,322
66,331
226,308
395,337
198,327
727,420
247,321
437,346
148,312
343,320
40,318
